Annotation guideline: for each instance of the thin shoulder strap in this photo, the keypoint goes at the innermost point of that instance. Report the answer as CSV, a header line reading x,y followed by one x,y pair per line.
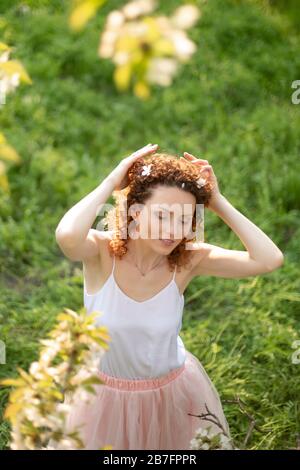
x,y
175,272
114,262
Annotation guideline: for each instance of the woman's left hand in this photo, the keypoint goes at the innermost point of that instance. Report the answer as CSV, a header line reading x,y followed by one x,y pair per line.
x,y
207,172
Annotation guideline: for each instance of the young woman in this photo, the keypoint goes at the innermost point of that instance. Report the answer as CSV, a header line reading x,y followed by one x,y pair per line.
x,y
152,384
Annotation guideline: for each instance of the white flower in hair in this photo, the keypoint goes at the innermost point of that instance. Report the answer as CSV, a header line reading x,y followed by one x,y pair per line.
x,y
146,170
201,182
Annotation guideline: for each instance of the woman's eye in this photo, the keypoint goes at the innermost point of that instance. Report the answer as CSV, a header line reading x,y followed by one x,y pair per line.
x,y
163,216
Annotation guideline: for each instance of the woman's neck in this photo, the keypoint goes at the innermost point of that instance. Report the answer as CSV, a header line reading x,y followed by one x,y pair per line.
x,y
143,256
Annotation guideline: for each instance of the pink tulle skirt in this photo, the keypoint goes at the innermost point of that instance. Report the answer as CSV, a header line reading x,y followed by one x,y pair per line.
x,y
148,414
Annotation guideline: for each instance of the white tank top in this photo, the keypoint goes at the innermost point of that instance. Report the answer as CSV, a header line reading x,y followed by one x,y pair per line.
x,y
144,336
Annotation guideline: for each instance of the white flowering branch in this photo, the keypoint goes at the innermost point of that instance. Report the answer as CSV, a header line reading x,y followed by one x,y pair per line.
x,y
65,372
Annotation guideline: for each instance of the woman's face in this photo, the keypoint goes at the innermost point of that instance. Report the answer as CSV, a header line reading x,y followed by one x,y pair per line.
x,y
166,218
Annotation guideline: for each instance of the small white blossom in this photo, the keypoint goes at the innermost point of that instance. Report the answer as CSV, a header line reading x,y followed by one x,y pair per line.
x,y
208,439
225,442
185,16
146,170
201,182
202,432
114,20
132,32
161,70
137,8
8,83
5,56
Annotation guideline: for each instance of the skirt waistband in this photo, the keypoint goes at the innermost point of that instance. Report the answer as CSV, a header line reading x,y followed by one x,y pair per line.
x,y
140,384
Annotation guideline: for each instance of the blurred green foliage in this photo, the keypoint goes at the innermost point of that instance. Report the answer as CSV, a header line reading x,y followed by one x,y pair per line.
x,y
231,105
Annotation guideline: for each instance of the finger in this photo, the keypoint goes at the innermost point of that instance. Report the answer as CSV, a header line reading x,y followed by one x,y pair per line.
x,y
187,161
149,150
206,168
144,150
196,162
190,156
192,160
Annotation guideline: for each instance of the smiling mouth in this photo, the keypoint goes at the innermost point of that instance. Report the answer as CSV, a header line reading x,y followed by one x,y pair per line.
x,y
167,241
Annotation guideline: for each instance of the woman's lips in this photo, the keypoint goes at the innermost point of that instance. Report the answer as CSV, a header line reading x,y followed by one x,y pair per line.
x,y
167,241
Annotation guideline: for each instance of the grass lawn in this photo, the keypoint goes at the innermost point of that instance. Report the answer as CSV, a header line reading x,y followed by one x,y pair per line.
x,y
231,104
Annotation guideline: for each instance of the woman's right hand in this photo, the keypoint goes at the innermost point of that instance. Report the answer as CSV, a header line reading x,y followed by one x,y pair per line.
x,y
119,176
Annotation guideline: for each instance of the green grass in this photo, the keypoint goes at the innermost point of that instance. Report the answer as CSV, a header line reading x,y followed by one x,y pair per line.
x,y
231,104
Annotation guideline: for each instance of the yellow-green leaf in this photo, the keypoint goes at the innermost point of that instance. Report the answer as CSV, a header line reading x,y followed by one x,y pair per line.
x,y
163,47
4,47
12,382
122,76
215,348
14,66
3,178
141,90
12,410
83,11
8,153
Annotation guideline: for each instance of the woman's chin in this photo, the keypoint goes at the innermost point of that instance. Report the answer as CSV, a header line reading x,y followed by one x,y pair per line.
x,y
166,245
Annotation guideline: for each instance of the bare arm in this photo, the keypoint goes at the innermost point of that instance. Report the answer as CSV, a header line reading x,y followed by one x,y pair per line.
x,y
262,254
74,235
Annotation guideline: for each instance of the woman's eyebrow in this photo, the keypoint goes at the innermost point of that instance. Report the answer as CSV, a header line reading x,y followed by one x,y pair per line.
x,y
185,215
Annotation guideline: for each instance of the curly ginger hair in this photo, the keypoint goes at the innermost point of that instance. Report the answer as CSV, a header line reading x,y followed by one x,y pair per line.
x,y
166,170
